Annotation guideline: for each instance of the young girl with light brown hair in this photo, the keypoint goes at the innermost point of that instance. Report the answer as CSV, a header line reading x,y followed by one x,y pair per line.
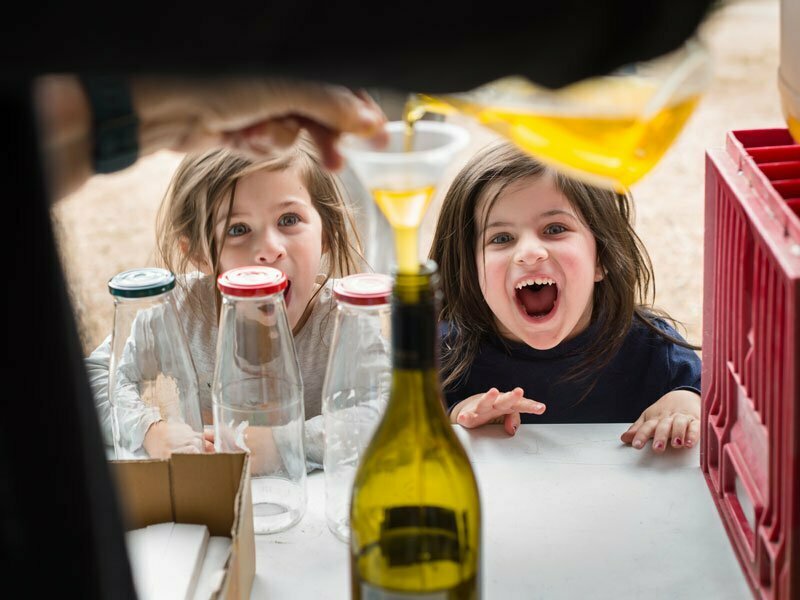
x,y
223,210
545,305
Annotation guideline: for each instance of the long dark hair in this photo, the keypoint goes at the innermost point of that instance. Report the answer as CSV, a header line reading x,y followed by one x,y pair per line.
x,y
618,299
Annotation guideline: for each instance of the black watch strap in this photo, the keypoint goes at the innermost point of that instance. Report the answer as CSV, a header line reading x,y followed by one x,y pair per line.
x,y
115,126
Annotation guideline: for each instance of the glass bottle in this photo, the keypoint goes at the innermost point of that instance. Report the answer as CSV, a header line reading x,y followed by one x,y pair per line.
x,y
415,519
356,386
151,373
257,394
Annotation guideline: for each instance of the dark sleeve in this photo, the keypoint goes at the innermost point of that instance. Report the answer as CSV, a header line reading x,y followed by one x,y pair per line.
x,y
453,394
683,363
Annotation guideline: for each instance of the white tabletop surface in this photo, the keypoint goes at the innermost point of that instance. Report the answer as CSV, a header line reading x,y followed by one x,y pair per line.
x,y
568,512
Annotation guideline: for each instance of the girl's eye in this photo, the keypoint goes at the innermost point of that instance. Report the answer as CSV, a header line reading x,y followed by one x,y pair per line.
x,y
554,229
502,238
288,220
238,229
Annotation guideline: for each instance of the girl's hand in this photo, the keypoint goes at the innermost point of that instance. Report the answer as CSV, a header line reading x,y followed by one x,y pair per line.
x,y
673,419
163,438
495,407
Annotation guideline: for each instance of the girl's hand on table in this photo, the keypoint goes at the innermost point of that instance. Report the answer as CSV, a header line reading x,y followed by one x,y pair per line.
x,y
673,420
164,437
495,407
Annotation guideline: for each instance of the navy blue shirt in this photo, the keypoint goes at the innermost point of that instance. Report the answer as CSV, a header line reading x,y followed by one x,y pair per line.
x,y
645,368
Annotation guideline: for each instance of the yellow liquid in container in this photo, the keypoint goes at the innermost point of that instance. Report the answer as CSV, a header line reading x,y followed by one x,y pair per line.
x,y
404,209
602,130
794,128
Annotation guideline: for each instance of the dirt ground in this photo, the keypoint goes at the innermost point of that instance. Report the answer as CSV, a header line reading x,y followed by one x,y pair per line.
x,y
107,226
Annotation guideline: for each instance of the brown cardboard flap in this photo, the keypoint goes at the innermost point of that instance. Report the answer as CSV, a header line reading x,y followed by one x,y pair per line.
x,y
204,488
239,580
143,489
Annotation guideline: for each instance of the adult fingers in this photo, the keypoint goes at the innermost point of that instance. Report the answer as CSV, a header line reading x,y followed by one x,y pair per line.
x,y
381,138
333,106
325,139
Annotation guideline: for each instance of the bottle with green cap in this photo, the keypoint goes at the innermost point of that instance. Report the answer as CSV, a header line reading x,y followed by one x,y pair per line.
x,y
152,376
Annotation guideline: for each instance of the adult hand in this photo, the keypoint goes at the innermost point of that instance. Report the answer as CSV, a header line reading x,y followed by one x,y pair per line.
x,y
251,114
495,407
674,418
255,115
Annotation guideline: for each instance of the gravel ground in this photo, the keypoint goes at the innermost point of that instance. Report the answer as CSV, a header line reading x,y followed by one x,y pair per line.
x,y
107,226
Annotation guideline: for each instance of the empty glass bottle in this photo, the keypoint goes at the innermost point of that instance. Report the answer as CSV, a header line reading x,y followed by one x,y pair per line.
x,y
257,393
151,373
356,386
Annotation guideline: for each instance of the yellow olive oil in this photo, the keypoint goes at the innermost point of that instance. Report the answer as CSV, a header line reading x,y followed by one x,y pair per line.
x,y
405,210
608,131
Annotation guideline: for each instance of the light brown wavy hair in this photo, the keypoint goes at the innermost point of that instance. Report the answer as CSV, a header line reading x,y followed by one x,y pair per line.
x,y
624,294
204,183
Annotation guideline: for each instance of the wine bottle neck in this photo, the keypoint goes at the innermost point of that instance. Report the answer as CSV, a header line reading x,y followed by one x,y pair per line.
x,y
414,336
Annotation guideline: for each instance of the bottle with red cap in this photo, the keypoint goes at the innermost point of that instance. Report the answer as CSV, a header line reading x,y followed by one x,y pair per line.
x,y
257,394
356,386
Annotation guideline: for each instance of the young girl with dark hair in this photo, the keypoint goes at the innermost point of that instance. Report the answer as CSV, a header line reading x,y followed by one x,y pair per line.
x,y
545,287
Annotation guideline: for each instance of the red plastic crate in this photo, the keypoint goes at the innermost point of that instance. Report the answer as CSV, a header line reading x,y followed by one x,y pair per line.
x,y
750,450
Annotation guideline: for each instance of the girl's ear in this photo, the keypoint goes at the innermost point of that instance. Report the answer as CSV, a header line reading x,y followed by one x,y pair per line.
x,y
599,272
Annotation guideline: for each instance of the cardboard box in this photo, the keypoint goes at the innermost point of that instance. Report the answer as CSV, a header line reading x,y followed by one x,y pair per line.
x,y
208,489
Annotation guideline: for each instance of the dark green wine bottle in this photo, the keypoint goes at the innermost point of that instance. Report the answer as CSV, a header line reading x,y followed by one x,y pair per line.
x,y
415,515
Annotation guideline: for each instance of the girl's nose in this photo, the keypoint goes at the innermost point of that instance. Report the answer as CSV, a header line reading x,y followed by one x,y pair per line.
x,y
270,251
530,250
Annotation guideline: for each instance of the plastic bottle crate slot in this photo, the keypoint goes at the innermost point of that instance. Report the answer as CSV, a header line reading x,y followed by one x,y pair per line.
x,y
751,399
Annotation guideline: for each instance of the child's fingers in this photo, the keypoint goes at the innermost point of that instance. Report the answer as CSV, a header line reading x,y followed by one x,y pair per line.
x,y
679,426
628,436
511,423
503,402
693,433
528,406
486,403
513,401
644,433
661,434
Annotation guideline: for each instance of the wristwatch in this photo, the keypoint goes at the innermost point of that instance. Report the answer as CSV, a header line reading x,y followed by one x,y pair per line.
x,y
115,126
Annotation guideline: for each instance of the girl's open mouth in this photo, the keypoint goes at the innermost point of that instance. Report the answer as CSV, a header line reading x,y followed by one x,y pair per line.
x,y
537,298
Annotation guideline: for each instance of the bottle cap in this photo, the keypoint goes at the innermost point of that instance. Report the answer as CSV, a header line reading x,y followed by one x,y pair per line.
x,y
246,282
363,289
141,283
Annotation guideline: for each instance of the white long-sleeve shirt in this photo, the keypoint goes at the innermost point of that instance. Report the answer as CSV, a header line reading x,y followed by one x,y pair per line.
x,y
312,344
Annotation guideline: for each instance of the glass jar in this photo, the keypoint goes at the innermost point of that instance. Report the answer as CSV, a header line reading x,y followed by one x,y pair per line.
x,y
257,394
356,386
151,373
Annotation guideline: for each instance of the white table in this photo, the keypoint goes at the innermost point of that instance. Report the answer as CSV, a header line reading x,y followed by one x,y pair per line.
x,y
568,512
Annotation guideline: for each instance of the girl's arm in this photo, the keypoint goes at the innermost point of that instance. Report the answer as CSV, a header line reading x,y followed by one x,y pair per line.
x,y
136,424
140,425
